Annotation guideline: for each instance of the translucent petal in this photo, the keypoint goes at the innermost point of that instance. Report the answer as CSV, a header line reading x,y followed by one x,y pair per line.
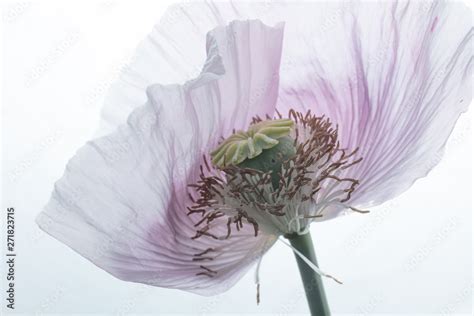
x,y
394,76
122,201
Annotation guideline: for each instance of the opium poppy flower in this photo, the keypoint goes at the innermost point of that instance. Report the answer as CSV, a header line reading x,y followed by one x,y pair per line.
x,y
301,112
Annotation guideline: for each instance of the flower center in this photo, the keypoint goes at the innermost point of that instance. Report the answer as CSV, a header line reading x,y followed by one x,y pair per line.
x,y
278,176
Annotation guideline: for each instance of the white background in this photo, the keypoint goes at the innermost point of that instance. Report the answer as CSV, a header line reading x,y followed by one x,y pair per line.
x,y
411,255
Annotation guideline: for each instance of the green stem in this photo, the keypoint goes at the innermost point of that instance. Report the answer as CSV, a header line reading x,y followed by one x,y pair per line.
x,y
312,282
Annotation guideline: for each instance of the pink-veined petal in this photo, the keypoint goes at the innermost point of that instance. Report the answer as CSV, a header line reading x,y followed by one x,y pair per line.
x,y
122,200
395,77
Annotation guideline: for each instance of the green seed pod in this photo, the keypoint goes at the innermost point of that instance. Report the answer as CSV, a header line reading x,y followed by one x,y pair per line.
x,y
272,159
250,144
264,147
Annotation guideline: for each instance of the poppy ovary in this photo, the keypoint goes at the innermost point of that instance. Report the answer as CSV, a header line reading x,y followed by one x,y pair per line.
x,y
272,159
265,147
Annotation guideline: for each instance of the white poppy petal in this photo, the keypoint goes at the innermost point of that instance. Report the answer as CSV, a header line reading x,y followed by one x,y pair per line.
x,y
394,76
122,200
249,88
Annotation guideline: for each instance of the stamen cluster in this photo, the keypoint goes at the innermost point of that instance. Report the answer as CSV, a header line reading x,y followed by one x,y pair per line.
x,y
309,185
